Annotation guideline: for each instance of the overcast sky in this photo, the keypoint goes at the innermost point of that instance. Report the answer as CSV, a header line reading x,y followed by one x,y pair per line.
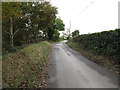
x,y
88,16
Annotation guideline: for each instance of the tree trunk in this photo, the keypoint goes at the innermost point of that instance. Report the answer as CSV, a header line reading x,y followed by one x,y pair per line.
x,y
11,32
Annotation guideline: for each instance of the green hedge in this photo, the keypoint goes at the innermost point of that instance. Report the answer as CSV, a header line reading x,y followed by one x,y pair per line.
x,y
105,43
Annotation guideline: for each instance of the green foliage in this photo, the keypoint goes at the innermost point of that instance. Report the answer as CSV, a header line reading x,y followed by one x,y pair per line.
x,y
75,33
59,25
10,9
26,20
56,35
53,31
105,43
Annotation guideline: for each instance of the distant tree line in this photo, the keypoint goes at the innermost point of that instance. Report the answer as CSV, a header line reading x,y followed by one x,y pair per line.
x,y
29,22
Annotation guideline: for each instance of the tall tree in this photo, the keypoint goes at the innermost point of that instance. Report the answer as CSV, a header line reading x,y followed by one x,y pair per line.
x,y
10,12
23,21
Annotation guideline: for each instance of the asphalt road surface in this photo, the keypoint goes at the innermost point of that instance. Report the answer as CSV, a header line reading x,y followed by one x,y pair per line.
x,y
69,69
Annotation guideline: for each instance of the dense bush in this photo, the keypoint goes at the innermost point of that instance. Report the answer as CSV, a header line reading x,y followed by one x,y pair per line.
x,y
105,43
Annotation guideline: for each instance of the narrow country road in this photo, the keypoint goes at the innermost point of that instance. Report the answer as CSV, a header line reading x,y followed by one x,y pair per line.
x,y
69,69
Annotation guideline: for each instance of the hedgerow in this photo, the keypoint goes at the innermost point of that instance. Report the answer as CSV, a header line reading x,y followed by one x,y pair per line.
x,y
104,43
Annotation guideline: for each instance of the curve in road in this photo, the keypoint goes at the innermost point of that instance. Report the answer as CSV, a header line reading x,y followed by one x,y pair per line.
x,y
69,69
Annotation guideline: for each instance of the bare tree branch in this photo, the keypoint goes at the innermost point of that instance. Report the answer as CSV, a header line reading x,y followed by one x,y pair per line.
x,y
16,32
6,32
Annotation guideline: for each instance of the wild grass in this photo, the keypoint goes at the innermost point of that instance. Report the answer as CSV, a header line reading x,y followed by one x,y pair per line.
x,y
99,59
22,68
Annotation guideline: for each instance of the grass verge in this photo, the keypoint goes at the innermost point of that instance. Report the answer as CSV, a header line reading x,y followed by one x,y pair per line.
x,y
25,68
99,59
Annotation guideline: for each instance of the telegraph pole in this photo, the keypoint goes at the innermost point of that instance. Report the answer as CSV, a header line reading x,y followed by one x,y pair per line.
x,y
69,28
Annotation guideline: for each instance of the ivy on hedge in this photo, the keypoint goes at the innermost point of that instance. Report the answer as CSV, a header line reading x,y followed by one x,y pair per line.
x,y
105,43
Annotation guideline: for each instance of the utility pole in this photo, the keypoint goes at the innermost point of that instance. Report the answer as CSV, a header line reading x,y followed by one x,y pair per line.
x,y
69,28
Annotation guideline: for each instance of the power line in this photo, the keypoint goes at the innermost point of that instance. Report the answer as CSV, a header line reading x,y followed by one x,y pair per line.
x,y
84,10
86,7
69,29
